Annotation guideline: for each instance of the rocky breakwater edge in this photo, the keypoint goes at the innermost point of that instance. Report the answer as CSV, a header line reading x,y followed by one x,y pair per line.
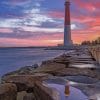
x,y
78,67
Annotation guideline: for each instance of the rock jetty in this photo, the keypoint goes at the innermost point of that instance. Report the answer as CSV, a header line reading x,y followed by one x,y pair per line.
x,y
77,65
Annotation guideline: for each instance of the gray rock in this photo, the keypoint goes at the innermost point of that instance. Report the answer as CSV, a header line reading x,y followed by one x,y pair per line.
x,y
35,66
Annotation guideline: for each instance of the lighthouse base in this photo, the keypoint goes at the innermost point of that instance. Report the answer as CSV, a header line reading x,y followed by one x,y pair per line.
x,y
67,44
67,36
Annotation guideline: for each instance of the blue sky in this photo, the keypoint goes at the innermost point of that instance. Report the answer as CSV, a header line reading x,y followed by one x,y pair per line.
x,y
40,22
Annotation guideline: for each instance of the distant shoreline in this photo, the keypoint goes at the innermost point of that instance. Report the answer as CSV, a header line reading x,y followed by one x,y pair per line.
x,y
30,47
23,47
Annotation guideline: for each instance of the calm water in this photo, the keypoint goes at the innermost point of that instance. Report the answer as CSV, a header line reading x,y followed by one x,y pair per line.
x,y
75,94
14,58
59,83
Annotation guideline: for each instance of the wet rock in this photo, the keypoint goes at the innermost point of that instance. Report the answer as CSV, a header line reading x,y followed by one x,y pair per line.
x,y
35,66
10,73
25,82
25,96
23,71
21,94
47,62
82,79
8,91
83,62
95,97
29,96
44,93
81,65
77,71
29,67
49,68
91,90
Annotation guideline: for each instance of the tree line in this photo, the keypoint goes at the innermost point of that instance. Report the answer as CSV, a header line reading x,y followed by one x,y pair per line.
x,y
94,42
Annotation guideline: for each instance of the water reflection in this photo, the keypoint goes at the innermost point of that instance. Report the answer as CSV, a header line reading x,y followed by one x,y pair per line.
x,y
72,93
66,91
75,87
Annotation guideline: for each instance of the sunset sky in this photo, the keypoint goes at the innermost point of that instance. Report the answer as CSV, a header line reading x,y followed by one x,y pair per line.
x,y
40,22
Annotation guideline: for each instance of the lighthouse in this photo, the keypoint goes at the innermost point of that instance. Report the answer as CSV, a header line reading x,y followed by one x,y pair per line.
x,y
67,25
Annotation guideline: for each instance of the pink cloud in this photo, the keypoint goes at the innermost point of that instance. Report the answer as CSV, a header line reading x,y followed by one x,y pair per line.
x,y
56,14
27,42
6,30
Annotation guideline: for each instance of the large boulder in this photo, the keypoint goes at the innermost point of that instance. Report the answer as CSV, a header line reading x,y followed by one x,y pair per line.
x,y
29,96
78,71
50,67
25,96
27,69
8,91
25,82
43,92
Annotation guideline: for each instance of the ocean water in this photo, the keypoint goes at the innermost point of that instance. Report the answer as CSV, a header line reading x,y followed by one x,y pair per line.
x,y
15,58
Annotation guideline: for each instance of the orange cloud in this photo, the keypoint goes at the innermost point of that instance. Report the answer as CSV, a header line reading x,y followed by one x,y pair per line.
x,y
78,37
